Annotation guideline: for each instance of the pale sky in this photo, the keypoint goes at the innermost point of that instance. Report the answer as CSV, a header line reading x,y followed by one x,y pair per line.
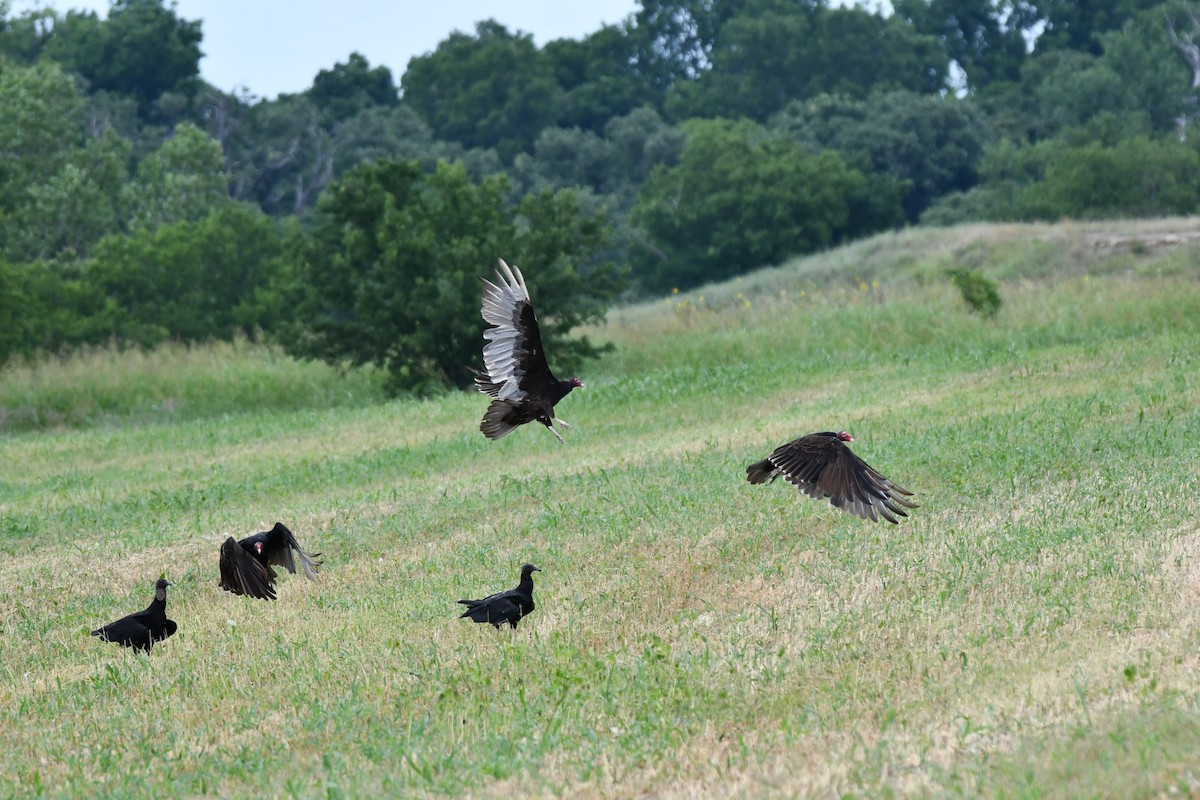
x,y
273,46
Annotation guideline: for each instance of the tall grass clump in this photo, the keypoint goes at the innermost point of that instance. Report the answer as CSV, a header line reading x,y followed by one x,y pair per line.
x,y
102,385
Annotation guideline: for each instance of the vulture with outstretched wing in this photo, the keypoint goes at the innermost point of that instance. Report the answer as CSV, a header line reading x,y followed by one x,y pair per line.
x,y
821,465
516,375
246,565
141,630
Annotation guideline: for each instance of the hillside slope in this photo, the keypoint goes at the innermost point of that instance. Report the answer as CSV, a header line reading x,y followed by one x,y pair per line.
x,y
1030,630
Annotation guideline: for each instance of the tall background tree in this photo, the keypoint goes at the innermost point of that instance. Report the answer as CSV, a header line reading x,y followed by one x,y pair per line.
x,y
390,275
777,51
142,49
352,87
711,136
742,197
492,89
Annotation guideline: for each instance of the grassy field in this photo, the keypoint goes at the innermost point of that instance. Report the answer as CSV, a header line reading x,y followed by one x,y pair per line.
x,y
1033,630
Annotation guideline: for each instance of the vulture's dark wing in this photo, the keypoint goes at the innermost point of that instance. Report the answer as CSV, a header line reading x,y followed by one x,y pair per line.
x,y
497,610
513,357
242,574
282,548
130,631
820,465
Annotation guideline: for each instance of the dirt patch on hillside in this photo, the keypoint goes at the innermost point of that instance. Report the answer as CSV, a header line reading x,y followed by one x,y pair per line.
x,y
1143,241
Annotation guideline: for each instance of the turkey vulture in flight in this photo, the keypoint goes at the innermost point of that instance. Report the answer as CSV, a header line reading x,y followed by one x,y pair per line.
x,y
516,375
246,565
507,606
821,465
141,630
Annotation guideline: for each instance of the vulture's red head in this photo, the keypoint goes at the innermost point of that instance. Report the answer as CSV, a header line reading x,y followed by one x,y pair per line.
x,y
575,383
258,547
845,437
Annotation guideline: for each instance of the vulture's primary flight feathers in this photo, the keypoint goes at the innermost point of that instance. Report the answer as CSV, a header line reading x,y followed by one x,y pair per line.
x,y
246,565
821,465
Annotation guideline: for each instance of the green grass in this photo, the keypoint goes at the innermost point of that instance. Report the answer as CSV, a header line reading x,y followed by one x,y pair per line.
x,y
1031,630
105,386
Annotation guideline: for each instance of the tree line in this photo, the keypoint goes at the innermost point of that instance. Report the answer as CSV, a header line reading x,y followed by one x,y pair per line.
x,y
695,140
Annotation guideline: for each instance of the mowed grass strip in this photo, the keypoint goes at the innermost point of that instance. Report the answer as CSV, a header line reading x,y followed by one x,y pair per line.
x,y
1028,631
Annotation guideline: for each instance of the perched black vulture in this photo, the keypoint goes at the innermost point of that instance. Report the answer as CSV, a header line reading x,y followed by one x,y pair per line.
x,y
141,630
516,376
246,565
503,607
821,465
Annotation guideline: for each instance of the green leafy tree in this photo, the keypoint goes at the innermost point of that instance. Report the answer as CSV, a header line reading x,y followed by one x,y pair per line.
x,y
75,206
380,133
641,141
390,275
12,314
608,170
986,38
193,280
1140,177
599,78
183,180
741,199
1079,24
142,49
675,38
24,36
279,154
565,157
58,191
1087,173
928,144
1133,73
45,306
1062,89
349,88
557,241
39,126
492,89
78,41
1158,82
775,51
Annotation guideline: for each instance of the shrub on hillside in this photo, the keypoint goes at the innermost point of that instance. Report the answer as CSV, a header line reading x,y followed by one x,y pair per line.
x,y
980,293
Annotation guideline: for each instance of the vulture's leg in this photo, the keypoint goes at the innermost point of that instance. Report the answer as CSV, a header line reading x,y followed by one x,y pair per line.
x,y
564,423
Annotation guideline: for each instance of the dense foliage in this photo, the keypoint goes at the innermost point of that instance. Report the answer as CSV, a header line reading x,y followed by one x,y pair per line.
x,y
740,198
390,274
709,137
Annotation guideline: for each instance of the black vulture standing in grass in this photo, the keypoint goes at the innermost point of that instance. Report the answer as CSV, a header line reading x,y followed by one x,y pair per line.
x,y
503,607
246,565
821,465
516,376
141,630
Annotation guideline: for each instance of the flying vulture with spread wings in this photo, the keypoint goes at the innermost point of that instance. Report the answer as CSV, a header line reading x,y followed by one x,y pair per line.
x,y
246,566
516,375
821,465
